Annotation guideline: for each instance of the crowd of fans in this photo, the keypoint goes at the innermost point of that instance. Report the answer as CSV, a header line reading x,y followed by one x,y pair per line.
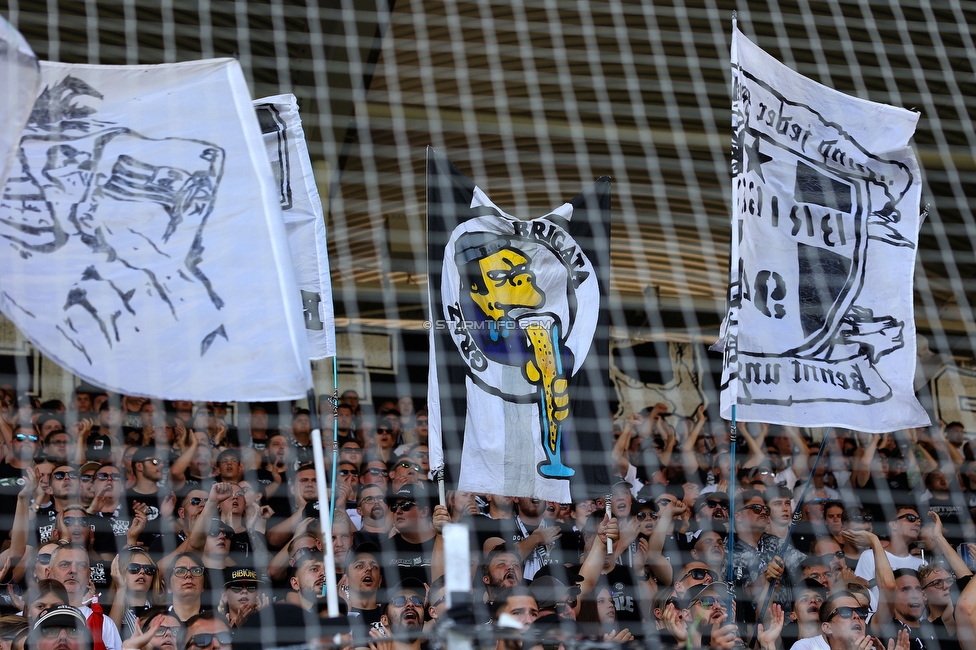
x,y
129,523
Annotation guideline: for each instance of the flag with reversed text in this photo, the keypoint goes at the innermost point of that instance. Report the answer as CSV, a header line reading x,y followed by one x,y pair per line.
x,y
820,328
301,207
519,387
145,247
19,77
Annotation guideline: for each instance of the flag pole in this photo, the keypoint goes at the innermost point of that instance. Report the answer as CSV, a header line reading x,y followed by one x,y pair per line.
x,y
325,514
733,438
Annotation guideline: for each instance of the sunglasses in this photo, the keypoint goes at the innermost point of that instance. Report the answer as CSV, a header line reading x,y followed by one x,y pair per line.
x,y
716,504
384,430
700,574
174,630
370,500
641,516
848,612
251,589
401,601
134,569
403,506
862,518
60,476
197,501
347,472
374,471
103,476
195,571
941,583
708,601
22,437
226,532
564,605
756,508
44,558
302,552
87,478
405,465
910,518
151,461
53,632
75,521
204,640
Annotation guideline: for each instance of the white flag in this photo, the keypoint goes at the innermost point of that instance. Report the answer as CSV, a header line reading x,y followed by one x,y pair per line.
x,y
145,250
19,78
301,207
820,329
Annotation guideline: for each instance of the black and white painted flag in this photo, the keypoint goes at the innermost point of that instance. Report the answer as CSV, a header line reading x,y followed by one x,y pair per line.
x,y
519,385
301,207
144,245
19,78
820,329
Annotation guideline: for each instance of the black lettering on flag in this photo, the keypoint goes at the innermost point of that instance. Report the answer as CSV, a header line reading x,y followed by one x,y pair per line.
x,y
814,187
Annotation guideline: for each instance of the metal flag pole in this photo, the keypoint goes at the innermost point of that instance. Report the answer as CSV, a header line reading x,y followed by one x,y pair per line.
x,y
733,438
325,513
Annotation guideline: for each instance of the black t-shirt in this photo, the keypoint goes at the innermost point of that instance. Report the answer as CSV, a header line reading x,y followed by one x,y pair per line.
x,y
152,501
111,530
409,561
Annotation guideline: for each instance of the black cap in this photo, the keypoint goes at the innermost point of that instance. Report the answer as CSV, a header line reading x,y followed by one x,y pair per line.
x,y
238,574
719,496
142,454
63,616
408,584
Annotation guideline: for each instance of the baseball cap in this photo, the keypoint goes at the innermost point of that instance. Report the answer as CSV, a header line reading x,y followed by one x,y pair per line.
x,y
711,496
236,574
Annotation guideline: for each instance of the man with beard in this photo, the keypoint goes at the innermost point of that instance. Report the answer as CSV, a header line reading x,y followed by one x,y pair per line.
x,y
502,569
535,537
242,594
904,529
754,548
308,580
843,626
363,581
404,617
375,516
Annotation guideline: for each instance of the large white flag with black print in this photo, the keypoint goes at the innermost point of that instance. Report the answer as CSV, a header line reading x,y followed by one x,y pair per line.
x,y
145,249
820,329
19,77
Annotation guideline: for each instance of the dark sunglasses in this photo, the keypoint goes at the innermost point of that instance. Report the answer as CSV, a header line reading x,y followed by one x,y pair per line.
x,y
708,601
384,430
44,558
103,476
251,589
641,516
87,478
302,552
400,601
404,464
716,504
204,640
134,569
226,532
60,476
563,605
756,508
54,631
403,506
22,437
347,472
374,471
196,501
699,574
848,612
910,518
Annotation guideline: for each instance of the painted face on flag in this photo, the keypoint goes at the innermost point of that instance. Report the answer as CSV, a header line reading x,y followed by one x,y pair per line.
x,y
517,305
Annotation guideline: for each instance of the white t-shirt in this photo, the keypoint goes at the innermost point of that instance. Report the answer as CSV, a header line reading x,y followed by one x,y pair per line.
x,y
811,643
866,569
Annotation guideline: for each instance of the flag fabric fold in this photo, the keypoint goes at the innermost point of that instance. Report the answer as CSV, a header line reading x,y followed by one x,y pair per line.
x,y
145,248
19,79
301,207
820,327
519,387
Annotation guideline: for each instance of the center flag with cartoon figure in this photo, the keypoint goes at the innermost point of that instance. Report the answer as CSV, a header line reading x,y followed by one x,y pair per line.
x,y
519,389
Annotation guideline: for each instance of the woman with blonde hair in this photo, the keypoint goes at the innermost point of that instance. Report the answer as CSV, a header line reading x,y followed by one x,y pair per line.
x,y
139,585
